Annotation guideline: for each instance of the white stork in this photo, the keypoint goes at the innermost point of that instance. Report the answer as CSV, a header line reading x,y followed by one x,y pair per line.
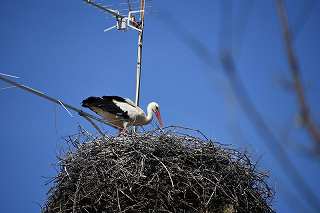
x,y
122,112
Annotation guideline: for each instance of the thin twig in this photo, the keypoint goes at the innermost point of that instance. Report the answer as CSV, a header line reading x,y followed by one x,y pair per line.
x,y
74,206
165,169
118,201
65,108
93,124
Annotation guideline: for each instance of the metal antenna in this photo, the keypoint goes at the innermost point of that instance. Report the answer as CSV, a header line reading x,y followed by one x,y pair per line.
x,y
139,59
129,5
123,23
104,8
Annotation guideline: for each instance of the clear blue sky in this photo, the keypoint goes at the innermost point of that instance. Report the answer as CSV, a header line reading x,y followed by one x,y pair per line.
x,y
59,47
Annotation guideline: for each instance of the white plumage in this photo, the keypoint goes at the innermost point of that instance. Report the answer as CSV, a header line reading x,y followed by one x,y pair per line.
x,y
122,112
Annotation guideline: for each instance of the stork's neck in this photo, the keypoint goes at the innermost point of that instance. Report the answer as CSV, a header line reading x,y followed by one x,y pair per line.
x,y
148,118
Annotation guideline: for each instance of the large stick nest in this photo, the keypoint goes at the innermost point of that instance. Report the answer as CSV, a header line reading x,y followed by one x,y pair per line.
x,y
156,172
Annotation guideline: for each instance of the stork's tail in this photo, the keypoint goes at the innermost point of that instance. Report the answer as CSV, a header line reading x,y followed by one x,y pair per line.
x,y
91,101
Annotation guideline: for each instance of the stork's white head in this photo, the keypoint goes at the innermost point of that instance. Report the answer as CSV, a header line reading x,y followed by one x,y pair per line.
x,y
156,110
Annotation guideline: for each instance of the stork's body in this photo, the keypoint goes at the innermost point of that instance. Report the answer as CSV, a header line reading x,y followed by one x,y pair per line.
x,y
121,112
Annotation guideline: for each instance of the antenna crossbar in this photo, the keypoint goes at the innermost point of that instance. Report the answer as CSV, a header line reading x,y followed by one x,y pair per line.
x,y
105,9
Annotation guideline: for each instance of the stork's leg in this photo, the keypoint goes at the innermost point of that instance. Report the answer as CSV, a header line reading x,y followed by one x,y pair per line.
x,y
122,131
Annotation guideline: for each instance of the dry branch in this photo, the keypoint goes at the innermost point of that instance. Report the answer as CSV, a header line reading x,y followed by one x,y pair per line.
x,y
245,102
305,114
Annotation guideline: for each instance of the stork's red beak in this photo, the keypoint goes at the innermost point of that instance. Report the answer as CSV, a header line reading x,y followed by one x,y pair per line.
x,y
159,118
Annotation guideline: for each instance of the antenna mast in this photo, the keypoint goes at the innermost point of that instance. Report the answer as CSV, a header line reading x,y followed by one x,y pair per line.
x,y
139,59
123,24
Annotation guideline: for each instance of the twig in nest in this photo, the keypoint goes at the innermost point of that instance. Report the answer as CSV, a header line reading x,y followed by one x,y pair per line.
x,y
165,169
93,124
181,173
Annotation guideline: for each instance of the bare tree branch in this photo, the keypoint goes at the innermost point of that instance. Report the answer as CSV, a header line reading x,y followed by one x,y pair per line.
x,y
305,114
265,132
260,125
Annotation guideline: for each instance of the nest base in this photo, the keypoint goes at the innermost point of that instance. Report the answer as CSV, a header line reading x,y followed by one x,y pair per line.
x,y
157,172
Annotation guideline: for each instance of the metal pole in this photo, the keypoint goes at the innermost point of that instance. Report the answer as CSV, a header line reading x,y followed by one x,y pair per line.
x,y
139,59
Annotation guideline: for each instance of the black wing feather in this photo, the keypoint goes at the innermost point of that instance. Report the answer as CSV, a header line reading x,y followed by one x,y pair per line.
x,y
116,98
106,104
